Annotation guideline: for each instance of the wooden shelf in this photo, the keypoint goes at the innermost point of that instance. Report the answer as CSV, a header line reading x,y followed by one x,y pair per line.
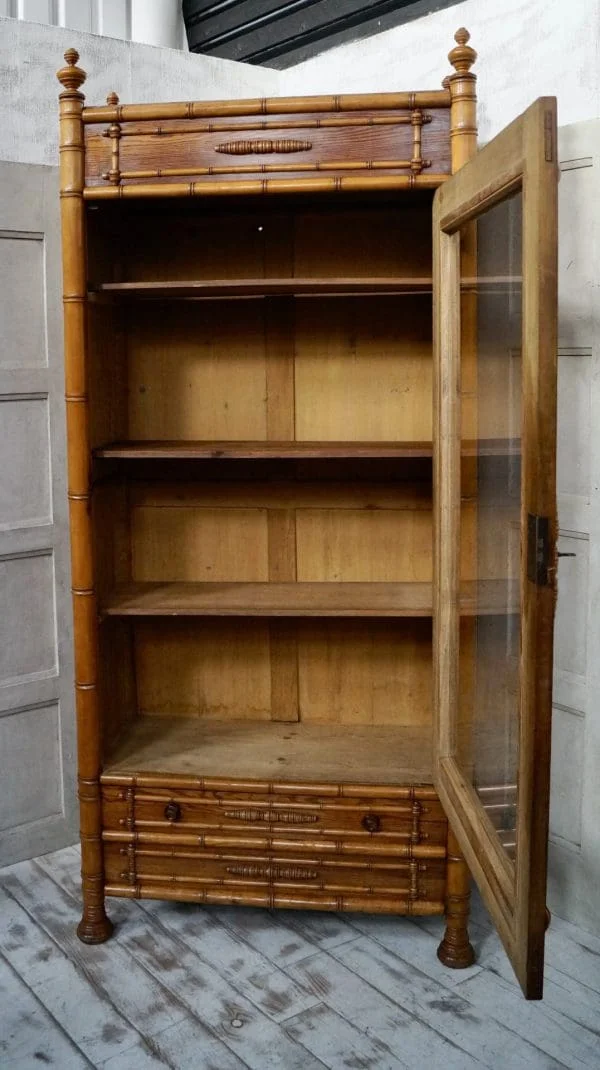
x,y
262,450
157,450
275,750
295,287
395,600
270,600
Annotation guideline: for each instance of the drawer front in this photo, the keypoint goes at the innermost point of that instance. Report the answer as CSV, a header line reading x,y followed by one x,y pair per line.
x,y
144,866
388,142
180,812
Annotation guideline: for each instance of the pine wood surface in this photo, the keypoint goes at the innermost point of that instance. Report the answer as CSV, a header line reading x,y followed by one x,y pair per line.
x,y
295,287
253,750
413,142
272,599
302,238
263,287
94,924
345,670
148,449
523,156
182,450
282,187
301,599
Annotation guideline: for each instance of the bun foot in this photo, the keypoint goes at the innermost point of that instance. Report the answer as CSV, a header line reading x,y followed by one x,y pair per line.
x,y
456,956
94,932
455,950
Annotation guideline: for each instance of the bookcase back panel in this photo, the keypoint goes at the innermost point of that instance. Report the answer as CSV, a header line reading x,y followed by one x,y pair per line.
x,y
197,371
338,369
363,242
313,238
204,668
363,369
258,532
348,672
200,544
347,545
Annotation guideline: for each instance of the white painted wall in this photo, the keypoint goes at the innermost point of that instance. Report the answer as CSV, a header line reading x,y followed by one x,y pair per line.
x,y
109,17
526,49
157,22
30,55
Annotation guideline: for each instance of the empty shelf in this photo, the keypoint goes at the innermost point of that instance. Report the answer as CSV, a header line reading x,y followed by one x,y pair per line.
x,y
270,600
157,450
294,287
198,746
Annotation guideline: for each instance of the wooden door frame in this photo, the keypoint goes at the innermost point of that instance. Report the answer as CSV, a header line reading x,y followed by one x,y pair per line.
x,y
522,157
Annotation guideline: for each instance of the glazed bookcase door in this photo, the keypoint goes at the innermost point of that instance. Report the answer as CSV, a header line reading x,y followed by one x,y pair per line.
x,y
495,228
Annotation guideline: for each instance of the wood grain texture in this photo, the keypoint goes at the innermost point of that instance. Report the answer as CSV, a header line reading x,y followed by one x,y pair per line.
x,y
523,156
271,600
94,926
375,140
245,288
190,450
310,752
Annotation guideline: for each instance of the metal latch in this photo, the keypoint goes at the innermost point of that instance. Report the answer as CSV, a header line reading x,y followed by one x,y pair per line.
x,y
538,549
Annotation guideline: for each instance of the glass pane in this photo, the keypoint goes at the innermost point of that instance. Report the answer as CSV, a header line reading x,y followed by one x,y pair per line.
x,y
490,513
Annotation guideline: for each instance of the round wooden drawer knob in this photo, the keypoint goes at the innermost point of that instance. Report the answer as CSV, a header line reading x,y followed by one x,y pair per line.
x,y
173,811
371,823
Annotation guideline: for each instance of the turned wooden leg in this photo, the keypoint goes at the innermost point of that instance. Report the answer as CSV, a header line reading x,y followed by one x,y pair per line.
x,y
455,949
94,927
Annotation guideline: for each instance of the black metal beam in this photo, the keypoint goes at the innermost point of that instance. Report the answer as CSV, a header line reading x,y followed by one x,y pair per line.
x,y
281,32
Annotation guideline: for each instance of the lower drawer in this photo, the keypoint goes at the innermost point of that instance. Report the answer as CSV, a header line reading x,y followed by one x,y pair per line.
x,y
131,868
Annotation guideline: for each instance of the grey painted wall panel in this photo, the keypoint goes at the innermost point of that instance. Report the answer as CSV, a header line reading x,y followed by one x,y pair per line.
x,y
30,749
25,496
37,721
23,338
27,621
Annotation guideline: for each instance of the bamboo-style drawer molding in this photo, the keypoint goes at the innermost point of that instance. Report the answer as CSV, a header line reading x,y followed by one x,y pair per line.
x,y
233,873
351,139
275,848
179,812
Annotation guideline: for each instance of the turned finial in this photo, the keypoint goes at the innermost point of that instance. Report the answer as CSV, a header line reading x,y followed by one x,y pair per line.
x,y
462,57
112,99
71,76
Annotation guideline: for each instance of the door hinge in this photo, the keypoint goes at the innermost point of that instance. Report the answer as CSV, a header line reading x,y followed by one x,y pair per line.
x,y
548,136
538,549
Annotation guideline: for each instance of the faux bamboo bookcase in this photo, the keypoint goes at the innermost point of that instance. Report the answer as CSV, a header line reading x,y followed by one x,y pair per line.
x,y
247,290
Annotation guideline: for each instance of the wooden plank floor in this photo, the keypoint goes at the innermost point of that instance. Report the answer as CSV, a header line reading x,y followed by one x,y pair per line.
x,y
227,989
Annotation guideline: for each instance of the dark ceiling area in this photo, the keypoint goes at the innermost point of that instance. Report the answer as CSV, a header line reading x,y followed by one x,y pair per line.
x,y
280,33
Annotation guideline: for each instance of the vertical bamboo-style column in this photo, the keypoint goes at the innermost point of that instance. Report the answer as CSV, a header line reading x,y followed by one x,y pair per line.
x,y
455,949
94,926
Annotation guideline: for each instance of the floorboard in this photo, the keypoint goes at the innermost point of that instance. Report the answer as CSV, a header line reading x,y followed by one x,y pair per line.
x,y
181,987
